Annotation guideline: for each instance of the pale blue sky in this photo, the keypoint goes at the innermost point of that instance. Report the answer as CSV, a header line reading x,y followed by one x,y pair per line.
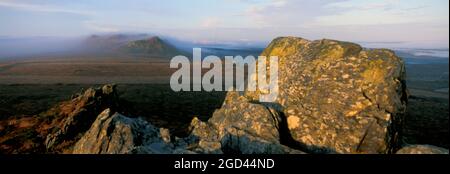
x,y
411,23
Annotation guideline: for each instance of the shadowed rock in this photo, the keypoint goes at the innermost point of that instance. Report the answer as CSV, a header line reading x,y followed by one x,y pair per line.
x,y
78,115
117,134
57,129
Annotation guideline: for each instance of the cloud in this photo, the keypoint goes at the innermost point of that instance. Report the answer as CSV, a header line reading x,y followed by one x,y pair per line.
x,y
41,8
357,12
225,20
258,13
100,27
278,3
287,13
310,14
354,5
211,22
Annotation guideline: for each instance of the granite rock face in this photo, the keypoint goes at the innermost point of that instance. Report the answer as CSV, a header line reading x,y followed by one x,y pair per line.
x,y
112,133
240,127
77,115
338,97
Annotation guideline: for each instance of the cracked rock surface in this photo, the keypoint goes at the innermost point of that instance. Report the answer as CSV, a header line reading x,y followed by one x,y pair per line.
x,y
338,97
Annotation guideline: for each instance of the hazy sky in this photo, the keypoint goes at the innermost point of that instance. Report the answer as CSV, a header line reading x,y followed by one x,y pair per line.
x,y
405,23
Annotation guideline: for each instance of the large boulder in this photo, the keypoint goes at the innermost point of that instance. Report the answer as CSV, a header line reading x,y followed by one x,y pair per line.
x,y
338,97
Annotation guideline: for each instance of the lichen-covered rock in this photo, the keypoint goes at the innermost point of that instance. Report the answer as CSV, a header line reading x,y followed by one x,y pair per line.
x,y
240,127
112,133
58,128
238,113
77,115
422,149
339,97
118,134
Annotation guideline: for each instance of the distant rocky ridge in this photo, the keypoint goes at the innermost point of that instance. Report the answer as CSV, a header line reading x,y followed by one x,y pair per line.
x,y
335,97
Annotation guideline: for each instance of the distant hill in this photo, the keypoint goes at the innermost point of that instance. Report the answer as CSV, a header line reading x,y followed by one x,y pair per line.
x,y
152,47
139,45
108,43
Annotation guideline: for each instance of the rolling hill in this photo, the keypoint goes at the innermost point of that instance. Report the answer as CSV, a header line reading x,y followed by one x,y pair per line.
x,y
151,47
139,45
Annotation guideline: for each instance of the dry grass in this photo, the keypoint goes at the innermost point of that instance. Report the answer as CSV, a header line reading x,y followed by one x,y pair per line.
x,y
85,72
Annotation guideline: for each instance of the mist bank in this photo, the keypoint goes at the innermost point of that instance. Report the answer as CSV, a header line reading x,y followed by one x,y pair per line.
x,y
424,56
17,48
25,47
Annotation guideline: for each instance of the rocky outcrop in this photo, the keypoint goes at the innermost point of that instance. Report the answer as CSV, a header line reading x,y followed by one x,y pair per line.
x,y
112,133
57,129
339,97
239,127
78,115
422,149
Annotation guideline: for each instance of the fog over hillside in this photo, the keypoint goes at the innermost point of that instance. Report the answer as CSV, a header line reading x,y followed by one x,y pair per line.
x,y
108,44
12,47
34,47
